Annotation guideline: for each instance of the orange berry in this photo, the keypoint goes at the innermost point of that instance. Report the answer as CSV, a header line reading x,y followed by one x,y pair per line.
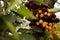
x,y
49,27
44,24
54,32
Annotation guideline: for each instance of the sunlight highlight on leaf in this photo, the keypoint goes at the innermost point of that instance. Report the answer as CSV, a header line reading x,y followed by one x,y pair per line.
x,y
12,5
24,12
40,1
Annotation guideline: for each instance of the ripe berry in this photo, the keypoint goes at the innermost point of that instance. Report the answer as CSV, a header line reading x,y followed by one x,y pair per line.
x,y
27,4
45,13
40,11
46,20
41,15
40,21
43,8
53,16
34,6
56,20
53,20
49,14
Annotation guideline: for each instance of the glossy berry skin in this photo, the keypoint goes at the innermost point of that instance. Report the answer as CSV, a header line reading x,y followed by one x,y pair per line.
x,y
44,8
53,20
32,5
27,4
57,20
45,20
53,15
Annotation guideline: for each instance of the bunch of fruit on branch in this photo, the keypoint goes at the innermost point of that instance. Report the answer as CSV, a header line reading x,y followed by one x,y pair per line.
x,y
46,20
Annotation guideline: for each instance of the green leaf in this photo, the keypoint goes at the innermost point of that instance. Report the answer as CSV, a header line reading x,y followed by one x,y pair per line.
x,y
55,37
7,37
21,11
58,26
12,4
27,37
1,11
40,1
55,10
41,38
3,27
12,18
24,12
47,35
11,28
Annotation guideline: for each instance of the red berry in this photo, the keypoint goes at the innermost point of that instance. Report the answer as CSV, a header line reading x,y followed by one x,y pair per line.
x,y
27,4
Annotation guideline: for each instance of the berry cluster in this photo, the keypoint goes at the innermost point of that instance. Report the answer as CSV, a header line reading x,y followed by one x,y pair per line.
x,y
45,19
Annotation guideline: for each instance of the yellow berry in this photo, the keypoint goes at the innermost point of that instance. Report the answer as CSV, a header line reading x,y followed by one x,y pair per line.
x,y
37,23
54,32
49,14
40,11
41,15
40,21
50,24
54,25
45,13
44,24
49,27
36,15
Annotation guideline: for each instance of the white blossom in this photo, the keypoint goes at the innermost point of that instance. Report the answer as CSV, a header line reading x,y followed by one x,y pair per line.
x,y
10,33
1,3
57,6
24,25
17,6
57,15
